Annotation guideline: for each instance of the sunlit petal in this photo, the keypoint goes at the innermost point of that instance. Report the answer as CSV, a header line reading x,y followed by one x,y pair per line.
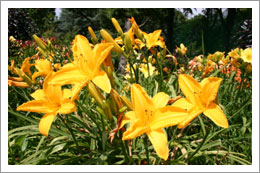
x,y
67,107
168,116
127,118
37,106
160,100
45,123
209,89
66,93
38,95
183,103
215,113
190,87
160,143
136,129
102,81
189,118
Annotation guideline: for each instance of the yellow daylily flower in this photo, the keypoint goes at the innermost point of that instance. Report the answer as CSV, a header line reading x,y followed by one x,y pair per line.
x,y
153,39
234,53
85,67
44,68
50,100
144,69
150,116
246,55
200,98
138,32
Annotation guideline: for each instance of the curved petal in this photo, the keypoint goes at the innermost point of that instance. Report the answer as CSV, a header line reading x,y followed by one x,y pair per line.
x,y
215,113
40,106
190,117
160,142
101,51
67,107
67,75
77,88
52,93
37,74
160,100
127,118
82,50
102,81
45,123
168,116
136,129
183,103
190,87
209,87
141,101
38,95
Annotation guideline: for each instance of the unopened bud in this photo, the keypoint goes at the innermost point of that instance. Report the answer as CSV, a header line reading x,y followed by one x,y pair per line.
x,y
107,110
40,43
93,35
126,102
117,26
128,43
116,98
108,38
95,93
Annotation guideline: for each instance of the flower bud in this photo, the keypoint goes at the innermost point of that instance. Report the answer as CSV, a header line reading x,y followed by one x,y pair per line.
x,y
108,38
117,26
126,102
95,93
40,43
93,35
128,43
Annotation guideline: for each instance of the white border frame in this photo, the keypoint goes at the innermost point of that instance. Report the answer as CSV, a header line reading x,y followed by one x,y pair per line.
x,y
129,4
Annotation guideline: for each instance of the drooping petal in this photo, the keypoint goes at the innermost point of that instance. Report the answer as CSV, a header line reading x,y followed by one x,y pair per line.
x,y
190,87
38,95
160,100
183,103
160,143
168,116
136,129
77,88
43,66
215,113
141,101
67,107
209,87
45,123
102,81
127,118
67,75
37,106
193,114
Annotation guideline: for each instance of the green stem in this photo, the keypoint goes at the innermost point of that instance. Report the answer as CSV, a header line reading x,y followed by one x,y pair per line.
x,y
146,150
68,125
202,125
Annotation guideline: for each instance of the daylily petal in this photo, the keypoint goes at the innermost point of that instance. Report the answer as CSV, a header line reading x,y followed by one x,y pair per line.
x,y
66,93
183,103
67,107
160,100
127,118
190,117
38,95
140,100
168,116
160,143
101,51
37,74
82,50
209,87
215,113
190,87
102,81
37,106
52,92
67,75
45,123
77,88
136,129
